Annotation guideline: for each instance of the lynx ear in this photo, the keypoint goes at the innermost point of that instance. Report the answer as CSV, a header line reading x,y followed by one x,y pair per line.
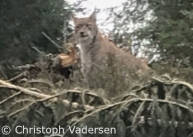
x,y
74,19
93,16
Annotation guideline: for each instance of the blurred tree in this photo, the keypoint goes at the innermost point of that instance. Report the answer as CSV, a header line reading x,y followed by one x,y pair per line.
x,y
126,20
22,23
166,25
172,29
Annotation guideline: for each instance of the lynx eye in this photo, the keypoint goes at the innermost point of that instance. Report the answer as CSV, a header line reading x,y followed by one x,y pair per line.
x,y
89,26
77,27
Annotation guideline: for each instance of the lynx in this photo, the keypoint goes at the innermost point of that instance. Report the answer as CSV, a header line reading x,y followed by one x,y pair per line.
x,y
97,54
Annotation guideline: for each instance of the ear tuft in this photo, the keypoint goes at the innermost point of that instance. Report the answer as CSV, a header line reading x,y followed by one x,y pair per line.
x,y
93,16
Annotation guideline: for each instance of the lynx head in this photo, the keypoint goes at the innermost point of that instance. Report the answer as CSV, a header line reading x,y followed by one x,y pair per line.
x,y
85,29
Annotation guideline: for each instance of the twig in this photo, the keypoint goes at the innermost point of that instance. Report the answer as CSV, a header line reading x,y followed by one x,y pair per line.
x,y
139,110
40,81
52,41
10,97
18,76
37,50
99,110
2,72
39,95
88,93
74,113
26,67
102,108
35,89
20,101
174,82
150,121
22,109
24,90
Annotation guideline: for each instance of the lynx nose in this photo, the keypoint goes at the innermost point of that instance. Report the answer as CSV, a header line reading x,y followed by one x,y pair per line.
x,y
83,34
